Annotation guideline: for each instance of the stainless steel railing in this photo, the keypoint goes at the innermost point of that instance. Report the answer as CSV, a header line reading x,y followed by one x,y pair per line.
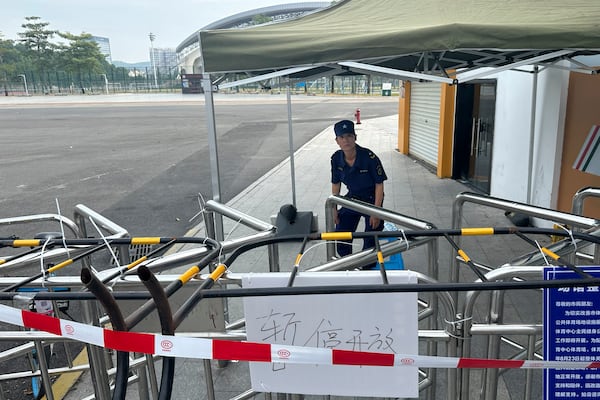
x,y
495,330
369,256
577,208
576,221
61,222
266,230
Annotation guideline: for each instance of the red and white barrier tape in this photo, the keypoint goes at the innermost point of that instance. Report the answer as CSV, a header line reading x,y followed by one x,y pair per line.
x,y
187,347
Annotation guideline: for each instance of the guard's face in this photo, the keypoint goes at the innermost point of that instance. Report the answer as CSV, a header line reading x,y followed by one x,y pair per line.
x,y
346,141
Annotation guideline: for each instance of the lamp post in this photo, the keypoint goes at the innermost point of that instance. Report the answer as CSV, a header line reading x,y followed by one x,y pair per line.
x,y
25,83
105,82
152,60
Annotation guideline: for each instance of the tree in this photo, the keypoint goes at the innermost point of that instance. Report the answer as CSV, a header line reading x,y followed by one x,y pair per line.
x,y
11,61
9,57
81,54
36,39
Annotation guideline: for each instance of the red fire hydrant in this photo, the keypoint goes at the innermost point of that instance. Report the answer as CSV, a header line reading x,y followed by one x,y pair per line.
x,y
357,115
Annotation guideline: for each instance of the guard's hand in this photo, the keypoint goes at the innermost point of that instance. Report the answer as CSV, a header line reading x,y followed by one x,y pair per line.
x,y
374,222
336,219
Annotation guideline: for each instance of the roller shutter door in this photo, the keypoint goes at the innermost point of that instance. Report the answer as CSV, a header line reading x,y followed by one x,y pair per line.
x,y
424,121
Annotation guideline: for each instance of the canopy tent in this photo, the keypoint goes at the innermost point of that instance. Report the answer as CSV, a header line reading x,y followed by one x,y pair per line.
x,y
428,36
407,39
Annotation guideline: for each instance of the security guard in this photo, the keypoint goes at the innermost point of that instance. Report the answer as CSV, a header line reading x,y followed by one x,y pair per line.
x,y
361,171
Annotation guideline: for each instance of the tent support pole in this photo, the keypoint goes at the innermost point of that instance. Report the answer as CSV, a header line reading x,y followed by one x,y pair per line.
x,y
213,151
532,134
291,141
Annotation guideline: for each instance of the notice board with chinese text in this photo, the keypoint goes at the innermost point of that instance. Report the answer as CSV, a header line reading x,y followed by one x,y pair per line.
x,y
571,333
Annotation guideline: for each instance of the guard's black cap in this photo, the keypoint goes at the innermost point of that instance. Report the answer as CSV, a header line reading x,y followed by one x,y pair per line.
x,y
343,127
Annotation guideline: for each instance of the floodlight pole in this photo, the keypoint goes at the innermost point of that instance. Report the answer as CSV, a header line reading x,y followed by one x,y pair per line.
x,y
25,83
152,36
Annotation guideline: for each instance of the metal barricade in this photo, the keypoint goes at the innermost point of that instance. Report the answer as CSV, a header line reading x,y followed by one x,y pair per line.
x,y
575,221
63,226
91,313
432,336
496,332
58,222
206,321
264,229
100,364
84,214
368,256
493,329
430,310
442,330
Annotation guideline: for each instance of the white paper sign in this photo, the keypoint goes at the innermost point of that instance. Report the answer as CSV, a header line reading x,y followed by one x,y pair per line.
x,y
375,322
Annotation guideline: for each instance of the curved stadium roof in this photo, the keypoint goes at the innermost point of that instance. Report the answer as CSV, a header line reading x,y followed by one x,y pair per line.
x,y
244,19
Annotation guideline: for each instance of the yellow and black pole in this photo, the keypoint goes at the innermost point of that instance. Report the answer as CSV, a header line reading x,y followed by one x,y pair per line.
x,y
54,268
140,260
557,259
17,256
170,321
191,302
380,259
134,318
297,262
139,314
466,258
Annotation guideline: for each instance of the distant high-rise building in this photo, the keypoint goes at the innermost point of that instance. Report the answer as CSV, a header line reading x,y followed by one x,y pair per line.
x,y
164,59
104,45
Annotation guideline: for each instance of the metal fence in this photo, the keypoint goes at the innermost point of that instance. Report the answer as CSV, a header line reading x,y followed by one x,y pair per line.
x,y
119,80
168,79
339,84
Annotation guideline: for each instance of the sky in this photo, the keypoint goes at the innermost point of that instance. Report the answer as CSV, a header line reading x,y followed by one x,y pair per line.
x,y
127,23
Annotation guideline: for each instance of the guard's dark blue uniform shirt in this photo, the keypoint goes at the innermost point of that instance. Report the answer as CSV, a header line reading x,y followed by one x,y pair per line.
x,y
360,179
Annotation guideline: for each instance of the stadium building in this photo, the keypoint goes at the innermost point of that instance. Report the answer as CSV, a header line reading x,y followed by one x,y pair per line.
x,y
188,52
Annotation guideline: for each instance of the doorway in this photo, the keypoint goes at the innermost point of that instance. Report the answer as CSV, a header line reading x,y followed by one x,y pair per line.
x,y
474,134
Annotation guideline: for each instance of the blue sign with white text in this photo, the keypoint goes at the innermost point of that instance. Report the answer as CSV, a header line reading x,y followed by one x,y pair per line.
x,y
571,333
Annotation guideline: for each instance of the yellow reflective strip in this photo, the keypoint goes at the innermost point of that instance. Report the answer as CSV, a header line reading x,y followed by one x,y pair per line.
x,y
137,262
476,231
26,243
336,235
298,258
145,240
189,274
463,255
550,253
60,265
2,262
380,257
220,270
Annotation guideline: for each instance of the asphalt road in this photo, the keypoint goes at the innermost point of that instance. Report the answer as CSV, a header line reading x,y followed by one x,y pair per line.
x,y
143,164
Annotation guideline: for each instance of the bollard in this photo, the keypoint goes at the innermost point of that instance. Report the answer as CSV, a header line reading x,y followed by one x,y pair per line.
x,y
357,115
